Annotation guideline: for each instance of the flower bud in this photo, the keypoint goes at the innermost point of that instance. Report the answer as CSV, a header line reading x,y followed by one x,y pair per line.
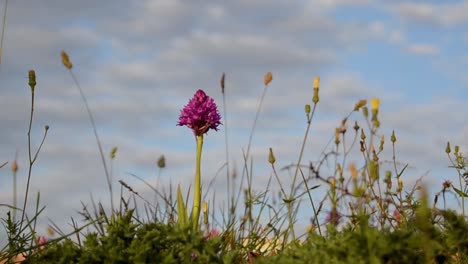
x,y
271,157
32,79
307,109
365,112
393,137
447,149
162,162
268,78
66,60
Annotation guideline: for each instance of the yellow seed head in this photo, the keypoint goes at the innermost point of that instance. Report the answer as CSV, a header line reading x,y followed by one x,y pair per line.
x,y
268,78
66,60
205,207
316,82
375,102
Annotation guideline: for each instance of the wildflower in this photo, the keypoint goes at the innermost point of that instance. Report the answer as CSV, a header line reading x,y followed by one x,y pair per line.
x,y
211,234
200,114
333,217
375,102
41,241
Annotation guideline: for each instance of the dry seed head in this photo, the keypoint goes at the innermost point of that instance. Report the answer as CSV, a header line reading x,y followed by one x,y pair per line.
x,y
268,78
382,140
356,126
354,172
66,60
50,231
234,172
360,104
113,151
14,166
222,82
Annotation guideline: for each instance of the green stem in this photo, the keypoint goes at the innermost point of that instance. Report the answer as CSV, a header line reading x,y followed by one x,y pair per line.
x,y
197,189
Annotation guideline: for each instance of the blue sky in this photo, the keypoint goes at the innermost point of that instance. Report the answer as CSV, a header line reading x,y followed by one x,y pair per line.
x,y
139,62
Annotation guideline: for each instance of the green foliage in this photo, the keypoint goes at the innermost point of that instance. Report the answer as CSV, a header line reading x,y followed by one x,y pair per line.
x,y
127,242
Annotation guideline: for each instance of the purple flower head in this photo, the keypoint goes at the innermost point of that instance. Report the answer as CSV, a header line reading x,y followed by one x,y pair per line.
x,y
200,114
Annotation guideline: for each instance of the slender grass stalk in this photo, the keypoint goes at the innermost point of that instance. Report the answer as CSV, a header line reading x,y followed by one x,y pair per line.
x,y
32,159
247,153
5,6
66,62
226,143
14,169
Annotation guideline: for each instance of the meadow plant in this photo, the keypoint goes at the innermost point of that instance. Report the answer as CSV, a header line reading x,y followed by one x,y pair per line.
x,y
200,115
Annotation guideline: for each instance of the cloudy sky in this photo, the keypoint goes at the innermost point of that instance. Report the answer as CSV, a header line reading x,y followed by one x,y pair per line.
x,y
139,62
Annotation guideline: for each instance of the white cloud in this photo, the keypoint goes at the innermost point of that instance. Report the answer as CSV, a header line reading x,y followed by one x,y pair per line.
x,y
423,49
445,14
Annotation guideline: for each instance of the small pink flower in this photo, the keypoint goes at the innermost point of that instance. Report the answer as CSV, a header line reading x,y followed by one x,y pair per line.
x,y
397,215
42,240
211,234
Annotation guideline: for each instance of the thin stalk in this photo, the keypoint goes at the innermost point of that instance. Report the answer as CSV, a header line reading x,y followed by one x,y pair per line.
x,y
5,6
197,189
93,124
227,157
291,197
246,156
